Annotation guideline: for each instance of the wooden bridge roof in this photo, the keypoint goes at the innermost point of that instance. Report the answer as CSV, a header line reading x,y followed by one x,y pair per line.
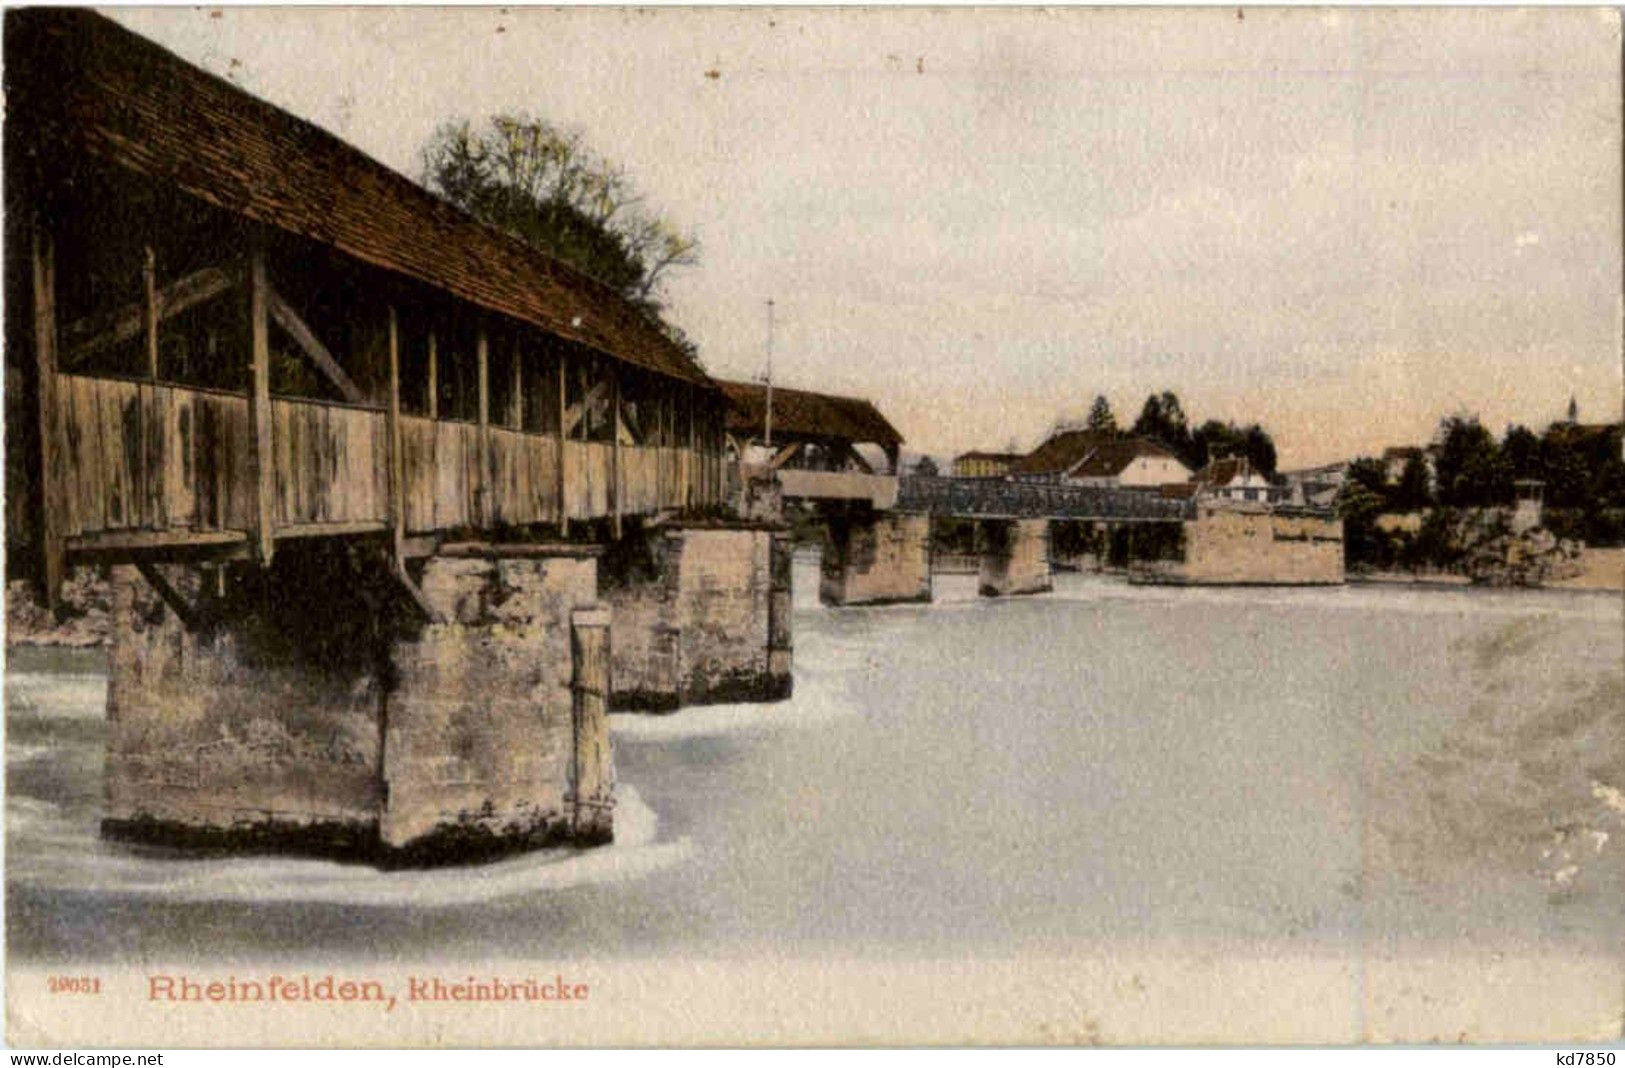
x,y
77,79
800,411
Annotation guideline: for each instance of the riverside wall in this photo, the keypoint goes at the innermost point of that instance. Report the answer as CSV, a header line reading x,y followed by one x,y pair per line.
x,y
1233,546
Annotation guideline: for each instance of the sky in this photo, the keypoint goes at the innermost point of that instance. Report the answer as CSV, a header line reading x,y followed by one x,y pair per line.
x,y
1342,223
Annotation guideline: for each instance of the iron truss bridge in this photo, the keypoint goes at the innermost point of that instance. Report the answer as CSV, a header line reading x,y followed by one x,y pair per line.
x,y
993,498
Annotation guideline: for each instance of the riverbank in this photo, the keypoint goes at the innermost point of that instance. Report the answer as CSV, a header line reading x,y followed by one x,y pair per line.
x,y
1600,570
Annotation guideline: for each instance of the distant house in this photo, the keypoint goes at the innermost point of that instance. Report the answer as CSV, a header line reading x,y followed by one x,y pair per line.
x,y
1090,458
1599,437
984,464
1314,487
1060,452
1395,457
1136,463
1234,479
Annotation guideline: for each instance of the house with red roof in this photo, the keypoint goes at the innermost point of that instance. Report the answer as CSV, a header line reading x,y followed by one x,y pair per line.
x,y
1091,458
1233,479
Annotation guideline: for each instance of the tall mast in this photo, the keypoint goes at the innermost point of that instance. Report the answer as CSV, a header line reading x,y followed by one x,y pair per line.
x,y
769,422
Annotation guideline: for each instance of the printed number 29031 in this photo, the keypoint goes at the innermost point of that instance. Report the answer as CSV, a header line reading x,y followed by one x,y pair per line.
x,y
74,984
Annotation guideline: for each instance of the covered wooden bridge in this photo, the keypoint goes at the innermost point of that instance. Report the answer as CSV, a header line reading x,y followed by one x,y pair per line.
x,y
811,441
355,460
228,328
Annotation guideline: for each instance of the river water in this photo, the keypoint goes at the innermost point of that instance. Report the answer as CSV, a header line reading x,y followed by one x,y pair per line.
x,y
1325,770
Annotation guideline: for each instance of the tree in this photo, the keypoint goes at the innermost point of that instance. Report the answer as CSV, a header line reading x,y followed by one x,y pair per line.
x,y
1471,470
1521,450
1101,419
1260,449
1162,419
1371,475
1362,498
544,186
1412,493
926,468
1215,440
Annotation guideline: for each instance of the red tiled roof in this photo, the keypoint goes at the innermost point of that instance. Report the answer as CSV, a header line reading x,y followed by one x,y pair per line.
x,y
799,411
1224,471
1003,457
1108,459
1060,453
76,79
1582,432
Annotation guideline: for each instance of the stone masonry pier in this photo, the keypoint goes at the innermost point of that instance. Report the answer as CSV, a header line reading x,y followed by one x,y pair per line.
x,y
311,708
877,558
701,616
1015,558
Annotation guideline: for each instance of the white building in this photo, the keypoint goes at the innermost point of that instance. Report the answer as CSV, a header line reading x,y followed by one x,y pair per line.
x,y
1234,479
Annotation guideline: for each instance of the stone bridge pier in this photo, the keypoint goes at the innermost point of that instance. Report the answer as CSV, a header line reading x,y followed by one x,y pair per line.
x,y
314,707
1015,557
876,558
701,616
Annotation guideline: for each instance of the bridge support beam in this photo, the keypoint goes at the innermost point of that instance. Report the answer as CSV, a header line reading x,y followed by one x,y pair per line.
x,y
316,711
701,616
1015,557
877,558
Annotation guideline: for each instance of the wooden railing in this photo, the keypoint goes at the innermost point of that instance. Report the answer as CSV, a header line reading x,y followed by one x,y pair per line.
x,y
142,456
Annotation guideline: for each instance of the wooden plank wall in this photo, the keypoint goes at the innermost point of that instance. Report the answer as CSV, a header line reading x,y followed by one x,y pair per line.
x,y
145,456
640,480
524,477
588,467
329,463
148,457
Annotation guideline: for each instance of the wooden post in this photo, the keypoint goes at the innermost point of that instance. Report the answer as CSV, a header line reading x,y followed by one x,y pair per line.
x,y
397,460
53,544
615,456
434,376
781,558
564,510
592,785
482,490
262,461
518,406
149,311
693,464
654,436
147,396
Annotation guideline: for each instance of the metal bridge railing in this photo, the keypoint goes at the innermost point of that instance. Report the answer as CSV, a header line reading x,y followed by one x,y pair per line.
x,y
997,498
